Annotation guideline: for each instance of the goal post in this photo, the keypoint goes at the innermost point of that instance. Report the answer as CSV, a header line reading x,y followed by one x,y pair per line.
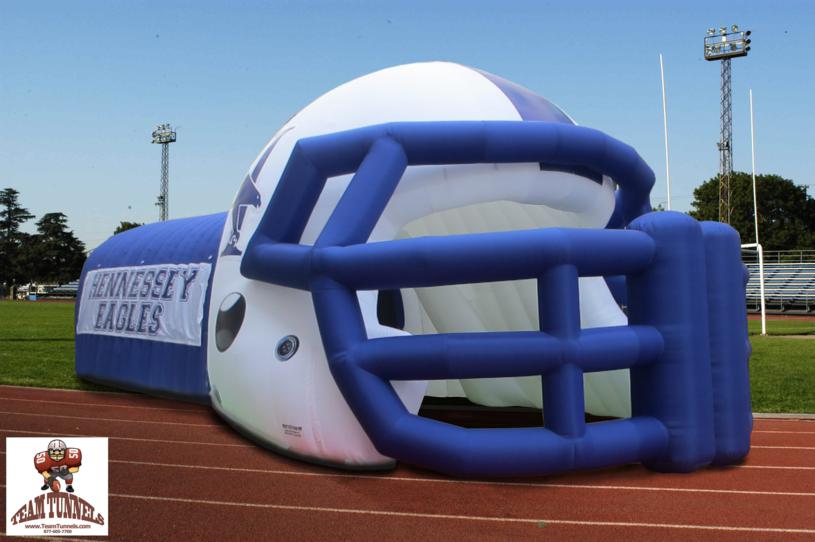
x,y
760,252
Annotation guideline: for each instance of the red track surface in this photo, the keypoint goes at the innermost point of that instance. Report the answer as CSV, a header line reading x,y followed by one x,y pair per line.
x,y
807,317
179,473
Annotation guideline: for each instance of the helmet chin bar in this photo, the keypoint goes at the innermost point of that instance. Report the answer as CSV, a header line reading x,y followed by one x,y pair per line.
x,y
686,337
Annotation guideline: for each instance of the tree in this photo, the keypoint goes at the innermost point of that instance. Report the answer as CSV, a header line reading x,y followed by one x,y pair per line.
x,y
786,213
124,225
55,253
12,240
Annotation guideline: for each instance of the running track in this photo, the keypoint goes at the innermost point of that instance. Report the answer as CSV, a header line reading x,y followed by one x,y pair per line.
x,y
177,472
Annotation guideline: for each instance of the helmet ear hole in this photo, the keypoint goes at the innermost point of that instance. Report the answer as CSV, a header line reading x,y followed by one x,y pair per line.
x,y
390,310
229,321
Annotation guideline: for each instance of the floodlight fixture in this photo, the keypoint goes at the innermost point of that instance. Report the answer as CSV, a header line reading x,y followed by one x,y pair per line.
x,y
164,134
726,44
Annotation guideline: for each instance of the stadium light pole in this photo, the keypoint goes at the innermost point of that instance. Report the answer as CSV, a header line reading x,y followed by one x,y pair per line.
x,y
725,45
759,248
164,135
665,129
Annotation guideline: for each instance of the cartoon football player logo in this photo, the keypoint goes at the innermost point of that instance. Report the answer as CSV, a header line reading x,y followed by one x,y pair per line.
x,y
58,461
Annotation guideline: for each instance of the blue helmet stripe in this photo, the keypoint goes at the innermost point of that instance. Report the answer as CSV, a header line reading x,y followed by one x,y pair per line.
x,y
529,105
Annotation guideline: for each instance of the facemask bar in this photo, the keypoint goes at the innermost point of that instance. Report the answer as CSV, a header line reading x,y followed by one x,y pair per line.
x,y
676,358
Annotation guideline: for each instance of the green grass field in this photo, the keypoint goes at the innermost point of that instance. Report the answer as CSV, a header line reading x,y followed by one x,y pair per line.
x,y
782,370
37,349
782,327
37,345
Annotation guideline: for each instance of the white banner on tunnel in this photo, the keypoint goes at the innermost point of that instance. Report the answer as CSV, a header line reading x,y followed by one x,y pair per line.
x,y
163,302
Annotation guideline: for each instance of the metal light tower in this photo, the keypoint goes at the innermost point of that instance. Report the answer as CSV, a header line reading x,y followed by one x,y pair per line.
x,y
724,45
164,135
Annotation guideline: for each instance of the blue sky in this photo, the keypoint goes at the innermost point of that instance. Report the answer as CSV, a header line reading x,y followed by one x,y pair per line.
x,y
82,84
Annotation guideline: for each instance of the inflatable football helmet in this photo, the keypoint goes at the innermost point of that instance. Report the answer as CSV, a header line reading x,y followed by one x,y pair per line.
x,y
435,229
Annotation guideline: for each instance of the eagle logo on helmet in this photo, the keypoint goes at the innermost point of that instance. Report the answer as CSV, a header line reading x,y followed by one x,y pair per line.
x,y
248,198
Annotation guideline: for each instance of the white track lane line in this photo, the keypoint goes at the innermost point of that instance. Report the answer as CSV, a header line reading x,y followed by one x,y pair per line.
x,y
137,395
46,415
195,442
783,447
780,467
207,411
60,390
91,418
777,467
474,482
456,481
495,519
758,421
788,432
540,522
198,443
468,482
204,410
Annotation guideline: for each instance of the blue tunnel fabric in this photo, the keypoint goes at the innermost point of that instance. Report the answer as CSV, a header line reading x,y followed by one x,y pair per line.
x,y
677,358
160,368
733,420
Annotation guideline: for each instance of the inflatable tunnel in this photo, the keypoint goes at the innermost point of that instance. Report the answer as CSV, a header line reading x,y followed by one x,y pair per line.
x,y
433,229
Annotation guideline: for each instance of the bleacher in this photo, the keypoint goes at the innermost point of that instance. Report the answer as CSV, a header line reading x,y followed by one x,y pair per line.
x,y
788,286
64,291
